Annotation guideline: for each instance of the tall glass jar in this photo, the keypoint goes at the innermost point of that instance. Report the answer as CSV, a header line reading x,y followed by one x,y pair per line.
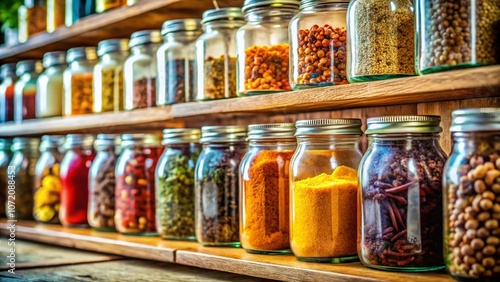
x,y
5,157
9,78
318,39
108,75
32,19
105,5
74,179
265,191
323,190
401,194
77,10
175,60
175,184
135,184
472,196
77,81
216,179
140,70
55,14
262,44
25,89
49,88
216,54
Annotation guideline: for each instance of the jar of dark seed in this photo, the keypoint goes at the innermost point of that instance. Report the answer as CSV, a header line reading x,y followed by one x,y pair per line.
x,y
472,202
401,194
216,190
455,34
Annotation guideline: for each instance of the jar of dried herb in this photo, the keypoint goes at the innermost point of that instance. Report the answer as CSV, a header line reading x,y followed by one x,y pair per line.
x,y
5,157
264,199
25,89
49,88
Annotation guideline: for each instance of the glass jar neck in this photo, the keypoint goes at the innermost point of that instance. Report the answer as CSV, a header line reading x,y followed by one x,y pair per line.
x,y
273,144
222,24
81,62
330,141
225,144
55,69
325,7
388,138
148,48
465,140
113,56
182,36
270,14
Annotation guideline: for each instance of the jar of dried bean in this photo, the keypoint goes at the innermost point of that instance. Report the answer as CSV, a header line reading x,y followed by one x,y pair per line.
x,y
9,78
472,196
455,34
323,190
216,190
264,199
77,81
318,44
401,194
49,88
5,181
135,184
25,89
108,75
175,184
216,54
140,70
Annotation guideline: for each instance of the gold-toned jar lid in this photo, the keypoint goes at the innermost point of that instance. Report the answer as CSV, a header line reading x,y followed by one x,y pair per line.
x,y
145,37
252,4
180,135
338,126
480,119
143,139
223,134
21,143
81,53
51,142
54,59
7,70
271,131
181,25
28,66
75,140
106,141
112,45
403,124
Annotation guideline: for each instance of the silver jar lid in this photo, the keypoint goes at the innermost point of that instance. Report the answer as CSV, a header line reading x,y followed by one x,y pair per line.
x,y
271,131
181,25
21,143
143,139
252,4
54,58
51,142
403,124
5,144
78,53
28,66
106,141
223,134
470,120
145,37
75,140
232,14
338,126
180,135
310,3
7,69
112,45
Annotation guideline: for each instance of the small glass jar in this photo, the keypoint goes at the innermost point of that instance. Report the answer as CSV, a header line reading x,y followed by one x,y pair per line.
x,y
74,179
135,184
318,39
49,88
47,189
5,157
381,40
78,9
105,5
216,54
32,19
263,50
472,196
401,195
175,184
323,190
9,78
265,190
175,60
25,89
140,70
108,75
77,81
216,179
55,14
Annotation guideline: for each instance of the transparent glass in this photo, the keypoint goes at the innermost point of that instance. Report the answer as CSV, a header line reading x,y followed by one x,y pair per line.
x,y
108,82
25,96
55,14
49,95
105,5
5,157
32,20
7,98
47,197
77,83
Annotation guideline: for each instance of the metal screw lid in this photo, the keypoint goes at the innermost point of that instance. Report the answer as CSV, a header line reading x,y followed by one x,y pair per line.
x,y
104,141
5,144
180,135
75,140
231,14
51,142
145,37
145,139
7,70
210,134
311,3
29,66
403,124
340,126
271,131
21,143
181,25
112,45
471,120
252,4
54,58
78,53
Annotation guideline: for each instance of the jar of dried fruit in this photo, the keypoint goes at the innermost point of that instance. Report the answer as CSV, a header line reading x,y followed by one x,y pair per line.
x,y
175,184
323,190
472,196
140,70
49,86
108,75
5,157
9,78
216,54
25,89
401,194
217,188
77,81
135,184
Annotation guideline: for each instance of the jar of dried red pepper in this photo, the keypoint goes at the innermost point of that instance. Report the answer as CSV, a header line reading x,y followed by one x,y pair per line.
x,y
135,184
25,89
9,78
401,194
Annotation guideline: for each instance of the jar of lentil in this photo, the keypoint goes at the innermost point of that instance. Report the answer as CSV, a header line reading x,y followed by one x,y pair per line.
x,y
77,81
263,50
175,184
265,190
401,194
9,78
25,89
216,180
49,88
140,70
216,54
472,196
5,157
176,61
323,190
318,39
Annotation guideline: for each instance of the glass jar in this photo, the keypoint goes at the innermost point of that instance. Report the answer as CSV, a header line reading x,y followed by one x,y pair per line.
x,y
140,70
74,179
135,184
25,89
175,184
318,38
77,10
265,190
176,61
32,19
5,157
9,78
49,88
47,189
472,196
216,54
105,5
263,50
216,190
55,14
323,190
77,81
401,194
381,40
108,75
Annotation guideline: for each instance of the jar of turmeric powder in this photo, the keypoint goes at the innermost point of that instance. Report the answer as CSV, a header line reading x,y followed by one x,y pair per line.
x,y
264,199
323,188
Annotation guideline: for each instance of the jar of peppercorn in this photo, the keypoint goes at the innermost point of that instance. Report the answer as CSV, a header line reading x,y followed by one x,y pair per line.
x,y
25,89
318,44
5,156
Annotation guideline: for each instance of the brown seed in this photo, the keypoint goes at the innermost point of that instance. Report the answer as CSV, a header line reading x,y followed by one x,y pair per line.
x,y
466,250
496,269
479,186
478,268
471,224
486,204
477,243
487,262
493,241
489,250
483,232
496,188
489,195
479,256
491,224
469,260
497,163
461,204
471,233
488,273
480,171
483,216
491,176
